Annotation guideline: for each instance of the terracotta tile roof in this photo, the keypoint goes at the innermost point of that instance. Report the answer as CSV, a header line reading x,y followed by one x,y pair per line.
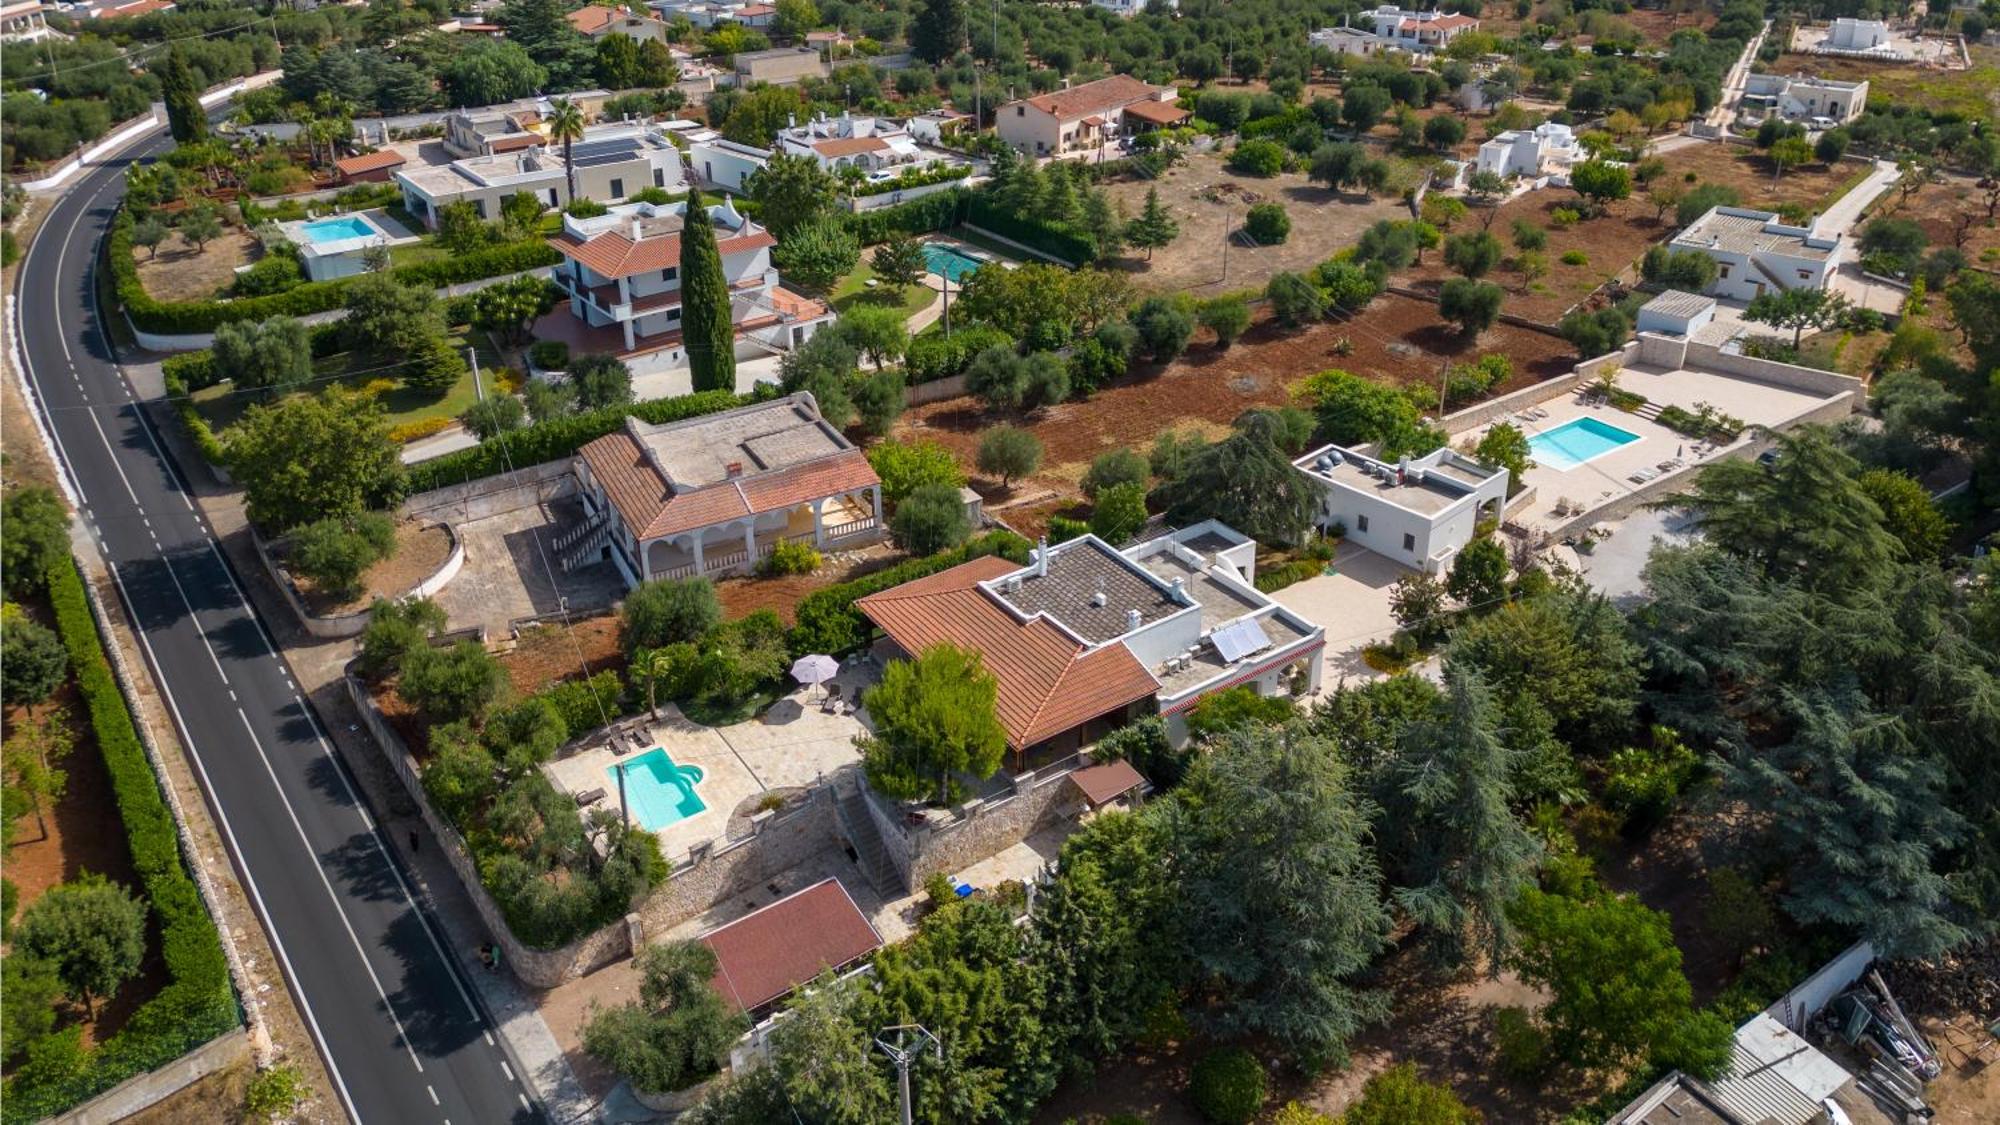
x,y
614,254
514,142
756,10
1446,23
1108,781
848,146
767,953
592,18
369,162
1159,113
1115,92
619,465
1048,682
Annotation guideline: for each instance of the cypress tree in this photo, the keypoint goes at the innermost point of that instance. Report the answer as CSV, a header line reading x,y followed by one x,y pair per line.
x,y
185,119
705,324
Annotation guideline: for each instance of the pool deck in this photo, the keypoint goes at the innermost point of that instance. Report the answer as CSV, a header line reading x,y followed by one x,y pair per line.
x,y
1605,479
793,743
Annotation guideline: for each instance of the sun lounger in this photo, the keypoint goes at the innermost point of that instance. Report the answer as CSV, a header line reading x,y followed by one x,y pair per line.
x,y
589,797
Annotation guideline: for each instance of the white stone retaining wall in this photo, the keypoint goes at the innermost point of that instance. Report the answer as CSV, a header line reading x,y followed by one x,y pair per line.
x,y
1478,414
1809,379
486,497
980,829
352,624
937,390
140,126
142,1091
716,870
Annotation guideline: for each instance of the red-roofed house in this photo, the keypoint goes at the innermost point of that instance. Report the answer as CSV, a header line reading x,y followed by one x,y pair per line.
x,y
1087,636
595,21
763,956
1087,117
622,275
714,494
370,167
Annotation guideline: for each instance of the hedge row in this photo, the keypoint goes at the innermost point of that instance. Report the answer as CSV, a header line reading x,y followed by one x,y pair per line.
x,y
919,216
828,621
1072,248
915,178
198,1002
184,317
933,355
558,437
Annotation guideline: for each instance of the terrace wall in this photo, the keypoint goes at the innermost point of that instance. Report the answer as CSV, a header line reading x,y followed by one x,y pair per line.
x,y
973,830
352,624
1480,413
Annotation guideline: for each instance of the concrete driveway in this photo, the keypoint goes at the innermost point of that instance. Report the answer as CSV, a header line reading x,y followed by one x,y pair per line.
x,y
1352,604
1613,567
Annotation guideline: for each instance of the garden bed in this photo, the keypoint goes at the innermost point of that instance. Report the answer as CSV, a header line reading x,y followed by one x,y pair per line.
x,y
410,413
549,653
420,550
179,272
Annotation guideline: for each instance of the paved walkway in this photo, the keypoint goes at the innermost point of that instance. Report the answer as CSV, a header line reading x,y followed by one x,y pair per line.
x,y
1732,85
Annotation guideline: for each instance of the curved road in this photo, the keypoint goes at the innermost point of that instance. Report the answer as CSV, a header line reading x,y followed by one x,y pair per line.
x,y
401,1034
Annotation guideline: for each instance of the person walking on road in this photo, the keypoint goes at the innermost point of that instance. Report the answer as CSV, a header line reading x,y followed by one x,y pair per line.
x,y
416,842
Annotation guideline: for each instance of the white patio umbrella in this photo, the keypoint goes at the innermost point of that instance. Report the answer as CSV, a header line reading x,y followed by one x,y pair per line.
x,y
815,668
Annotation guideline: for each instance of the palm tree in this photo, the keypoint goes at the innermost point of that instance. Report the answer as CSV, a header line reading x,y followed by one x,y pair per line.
x,y
566,125
652,665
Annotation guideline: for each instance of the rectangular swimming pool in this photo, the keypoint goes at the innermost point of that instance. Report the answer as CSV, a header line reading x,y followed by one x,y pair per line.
x,y
950,264
1575,442
658,790
337,230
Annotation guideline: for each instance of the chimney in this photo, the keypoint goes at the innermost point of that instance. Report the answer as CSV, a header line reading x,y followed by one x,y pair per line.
x,y
733,470
1131,620
635,228
1098,599
1042,557
1180,594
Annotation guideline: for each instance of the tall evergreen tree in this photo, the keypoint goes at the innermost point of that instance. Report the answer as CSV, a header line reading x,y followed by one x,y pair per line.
x,y
938,33
706,330
1280,903
1459,854
1154,227
185,119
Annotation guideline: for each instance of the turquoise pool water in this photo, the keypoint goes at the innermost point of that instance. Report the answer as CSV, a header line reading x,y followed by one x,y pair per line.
x,y
336,230
948,263
658,790
1575,442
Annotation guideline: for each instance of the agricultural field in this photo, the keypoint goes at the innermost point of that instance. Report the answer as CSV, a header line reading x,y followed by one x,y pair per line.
x,y
1973,92
1205,199
1397,340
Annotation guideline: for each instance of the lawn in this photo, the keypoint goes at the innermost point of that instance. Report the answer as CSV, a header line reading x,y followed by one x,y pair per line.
x,y
853,289
221,405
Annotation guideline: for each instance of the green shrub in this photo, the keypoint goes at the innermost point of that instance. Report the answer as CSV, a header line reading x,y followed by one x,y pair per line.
x,y
585,705
549,355
275,1093
919,216
828,622
1521,1044
1283,575
1062,529
790,558
1227,1086
197,1003
1071,248
1575,258
930,519
933,355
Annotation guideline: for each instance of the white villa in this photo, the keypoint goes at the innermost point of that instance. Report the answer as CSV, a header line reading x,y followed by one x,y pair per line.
x,y
1801,96
1419,31
1418,511
1849,34
714,494
1129,8
1345,40
612,162
1548,147
1757,251
1674,313
622,275
881,147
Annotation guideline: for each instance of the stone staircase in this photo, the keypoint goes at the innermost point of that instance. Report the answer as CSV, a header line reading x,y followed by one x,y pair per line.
x,y
859,828
585,551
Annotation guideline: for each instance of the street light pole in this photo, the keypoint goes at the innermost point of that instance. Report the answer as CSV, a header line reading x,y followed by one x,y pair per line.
x,y
903,1056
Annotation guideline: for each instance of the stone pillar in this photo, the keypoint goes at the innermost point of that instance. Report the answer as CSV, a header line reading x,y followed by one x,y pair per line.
x,y
645,562
875,502
750,542
630,343
819,526
699,566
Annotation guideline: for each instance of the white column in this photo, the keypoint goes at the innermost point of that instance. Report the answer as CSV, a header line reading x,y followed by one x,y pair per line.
x,y
645,562
699,566
819,526
750,540
875,502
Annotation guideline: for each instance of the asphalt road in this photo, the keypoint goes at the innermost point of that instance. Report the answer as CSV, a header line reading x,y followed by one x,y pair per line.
x,y
402,1035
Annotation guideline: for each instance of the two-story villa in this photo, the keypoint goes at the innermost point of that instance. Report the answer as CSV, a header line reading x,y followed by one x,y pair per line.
x,y
622,275
612,162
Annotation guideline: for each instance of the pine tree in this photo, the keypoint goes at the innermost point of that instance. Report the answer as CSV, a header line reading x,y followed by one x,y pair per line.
x,y
185,119
939,31
705,325
1154,227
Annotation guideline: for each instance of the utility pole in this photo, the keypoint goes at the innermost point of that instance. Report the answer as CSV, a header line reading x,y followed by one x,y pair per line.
x,y
478,388
903,1056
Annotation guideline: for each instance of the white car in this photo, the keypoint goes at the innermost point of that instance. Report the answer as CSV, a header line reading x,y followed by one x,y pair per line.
x,y
1834,1114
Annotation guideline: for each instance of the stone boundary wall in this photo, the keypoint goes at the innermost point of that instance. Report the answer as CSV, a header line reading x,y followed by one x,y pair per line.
x,y
937,390
352,624
707,876
1808,379
485,497
979,829
143,1091
1480,413
153,118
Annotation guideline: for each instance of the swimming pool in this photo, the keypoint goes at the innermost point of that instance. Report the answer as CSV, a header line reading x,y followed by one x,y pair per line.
x,y
337,230
658,790
1575,442
950,264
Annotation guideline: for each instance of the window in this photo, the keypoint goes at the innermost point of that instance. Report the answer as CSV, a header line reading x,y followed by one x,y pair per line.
x,y
1805,275
553,201
617,189
659,177
668,273
1409,542
1020,111
480,206
1361,523
1723,271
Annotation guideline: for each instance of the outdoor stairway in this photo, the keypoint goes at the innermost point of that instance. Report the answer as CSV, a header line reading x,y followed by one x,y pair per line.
x,y
859,828
1780,282
585,553
580,531
1648,410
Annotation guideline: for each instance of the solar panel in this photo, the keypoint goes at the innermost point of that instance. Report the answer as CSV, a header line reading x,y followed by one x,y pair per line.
x,y
594,153
1239,639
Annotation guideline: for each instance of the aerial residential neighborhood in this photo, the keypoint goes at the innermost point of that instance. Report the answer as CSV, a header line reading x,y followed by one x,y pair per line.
x,y
1279,562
